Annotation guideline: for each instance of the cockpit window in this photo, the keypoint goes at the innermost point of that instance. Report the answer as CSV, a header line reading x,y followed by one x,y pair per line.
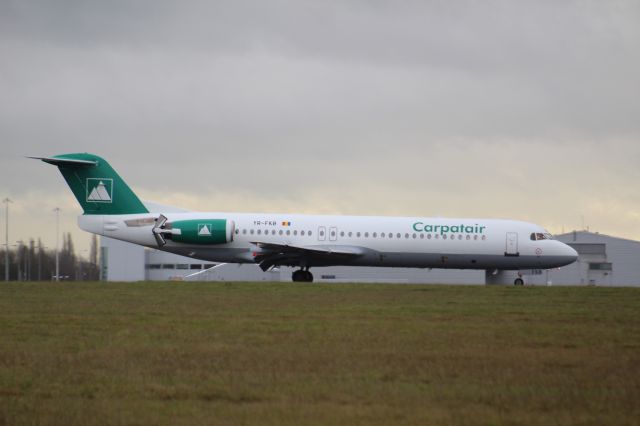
x,y
537,236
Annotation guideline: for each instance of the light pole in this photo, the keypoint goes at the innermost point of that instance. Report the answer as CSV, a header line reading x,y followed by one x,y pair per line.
x,y
57,210
19,258
40,248
6,201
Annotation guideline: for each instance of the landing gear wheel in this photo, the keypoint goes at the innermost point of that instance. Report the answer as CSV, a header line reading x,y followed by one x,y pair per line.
x,y
302,276
298,276
518,281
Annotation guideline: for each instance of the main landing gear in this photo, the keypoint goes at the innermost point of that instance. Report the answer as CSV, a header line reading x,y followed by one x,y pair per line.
x,y
302,275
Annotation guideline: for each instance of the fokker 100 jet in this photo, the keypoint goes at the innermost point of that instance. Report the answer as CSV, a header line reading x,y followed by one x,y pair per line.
x,y
113,210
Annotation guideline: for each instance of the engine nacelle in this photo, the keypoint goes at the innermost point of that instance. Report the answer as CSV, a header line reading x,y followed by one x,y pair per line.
x,y
200,231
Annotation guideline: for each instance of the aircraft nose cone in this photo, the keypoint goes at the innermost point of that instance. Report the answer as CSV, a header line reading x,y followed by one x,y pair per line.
x,y
570,253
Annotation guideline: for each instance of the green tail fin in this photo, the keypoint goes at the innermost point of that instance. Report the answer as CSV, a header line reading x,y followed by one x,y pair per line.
x,y
97,187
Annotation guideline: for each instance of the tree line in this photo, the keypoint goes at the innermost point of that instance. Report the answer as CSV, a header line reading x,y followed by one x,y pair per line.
x,y
31,261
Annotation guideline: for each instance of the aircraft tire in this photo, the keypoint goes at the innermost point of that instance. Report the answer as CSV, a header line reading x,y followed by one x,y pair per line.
x,y
298,276
518,281
302,276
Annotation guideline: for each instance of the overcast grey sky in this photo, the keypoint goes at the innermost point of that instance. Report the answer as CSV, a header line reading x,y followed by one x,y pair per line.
x,y
520,109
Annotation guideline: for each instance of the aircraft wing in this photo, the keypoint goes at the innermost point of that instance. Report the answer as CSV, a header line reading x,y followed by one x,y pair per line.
x,y
268,255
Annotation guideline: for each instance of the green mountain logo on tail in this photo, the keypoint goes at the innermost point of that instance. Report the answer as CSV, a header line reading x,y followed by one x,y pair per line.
x,y
99,190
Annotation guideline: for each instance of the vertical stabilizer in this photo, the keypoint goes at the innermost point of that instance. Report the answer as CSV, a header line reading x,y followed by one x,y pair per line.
x,y
97,187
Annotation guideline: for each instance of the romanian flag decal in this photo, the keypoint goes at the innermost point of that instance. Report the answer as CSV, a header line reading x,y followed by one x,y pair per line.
x,y
286,223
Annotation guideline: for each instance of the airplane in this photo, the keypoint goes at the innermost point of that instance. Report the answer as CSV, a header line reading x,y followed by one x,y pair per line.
x,y
113,210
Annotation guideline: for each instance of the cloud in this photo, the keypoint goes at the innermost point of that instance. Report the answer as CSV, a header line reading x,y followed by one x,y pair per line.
x,y
510,109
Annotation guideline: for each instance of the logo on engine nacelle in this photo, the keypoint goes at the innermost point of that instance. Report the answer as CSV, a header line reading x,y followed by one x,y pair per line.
x,y
204,230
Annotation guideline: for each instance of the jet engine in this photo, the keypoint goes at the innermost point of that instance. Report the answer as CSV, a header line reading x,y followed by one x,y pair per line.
x,y
194,231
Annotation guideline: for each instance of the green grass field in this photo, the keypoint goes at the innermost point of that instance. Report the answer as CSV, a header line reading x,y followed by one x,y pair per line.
x,y
280,353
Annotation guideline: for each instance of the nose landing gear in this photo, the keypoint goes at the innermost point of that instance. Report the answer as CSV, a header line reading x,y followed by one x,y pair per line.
x,y
302,275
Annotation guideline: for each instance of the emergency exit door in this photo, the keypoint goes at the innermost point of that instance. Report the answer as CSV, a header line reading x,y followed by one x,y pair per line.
x,y
333,233
322,233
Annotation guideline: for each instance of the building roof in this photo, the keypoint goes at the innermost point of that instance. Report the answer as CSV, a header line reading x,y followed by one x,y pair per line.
x,y
577,236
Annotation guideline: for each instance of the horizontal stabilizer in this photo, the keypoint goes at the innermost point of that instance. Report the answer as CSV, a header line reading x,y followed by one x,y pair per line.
x,y
66,161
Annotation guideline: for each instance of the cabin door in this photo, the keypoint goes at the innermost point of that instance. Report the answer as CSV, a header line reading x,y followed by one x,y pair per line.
x,y
511,248
322,233
333,233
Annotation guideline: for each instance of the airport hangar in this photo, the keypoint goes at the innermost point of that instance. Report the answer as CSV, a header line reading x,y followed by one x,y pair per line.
x,y
603,260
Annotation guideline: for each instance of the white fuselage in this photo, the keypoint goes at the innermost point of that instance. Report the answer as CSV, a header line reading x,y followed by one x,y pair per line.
x,y
356,240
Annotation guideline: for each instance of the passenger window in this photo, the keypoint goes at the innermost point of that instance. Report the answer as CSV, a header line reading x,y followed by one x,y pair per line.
x,y
251,232
428,236
295,232
422,236
244,231
444,237
375,235
358,234
280,232
460,236
484,237
399,235
414,236
342,233
350,233
436,236
302,233
366,235
288,232
309,233
382,235
237,231
468,237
